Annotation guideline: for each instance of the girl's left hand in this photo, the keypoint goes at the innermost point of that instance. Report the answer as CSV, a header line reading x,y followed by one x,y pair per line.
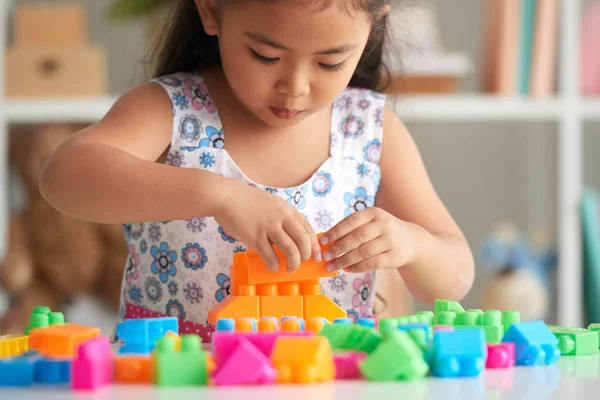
x,y
368,240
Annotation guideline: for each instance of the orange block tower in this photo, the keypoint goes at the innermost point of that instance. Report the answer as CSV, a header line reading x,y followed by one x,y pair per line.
x,y
256,292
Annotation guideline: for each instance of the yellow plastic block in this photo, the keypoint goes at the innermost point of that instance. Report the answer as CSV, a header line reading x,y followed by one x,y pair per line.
x,y
281,306
235,307
321,306
12,346
305,359
177,339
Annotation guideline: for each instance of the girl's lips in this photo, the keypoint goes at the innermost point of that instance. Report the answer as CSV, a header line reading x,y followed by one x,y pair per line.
x,y
284,113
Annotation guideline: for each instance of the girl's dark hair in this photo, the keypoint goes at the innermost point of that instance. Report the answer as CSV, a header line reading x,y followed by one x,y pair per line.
x,y
184,46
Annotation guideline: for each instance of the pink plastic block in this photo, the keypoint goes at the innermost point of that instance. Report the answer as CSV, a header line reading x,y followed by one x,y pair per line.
x,y
447,328
501,355
224,343
93,365
245,366
346,365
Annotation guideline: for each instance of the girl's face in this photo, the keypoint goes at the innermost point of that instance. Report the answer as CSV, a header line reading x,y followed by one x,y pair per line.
x,y
285,62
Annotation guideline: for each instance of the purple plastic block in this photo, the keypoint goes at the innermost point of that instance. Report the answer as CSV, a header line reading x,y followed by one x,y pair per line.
x,y
346,365
93,366
224,343
246,365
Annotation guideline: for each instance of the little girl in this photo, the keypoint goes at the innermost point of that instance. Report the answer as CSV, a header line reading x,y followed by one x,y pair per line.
x,y
264,125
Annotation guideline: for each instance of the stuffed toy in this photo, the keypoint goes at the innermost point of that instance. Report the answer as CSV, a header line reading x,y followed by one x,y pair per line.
x,y
52,258
521,268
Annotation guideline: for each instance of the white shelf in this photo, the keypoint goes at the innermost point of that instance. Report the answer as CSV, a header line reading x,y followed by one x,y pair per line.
x,y
590,109
23,111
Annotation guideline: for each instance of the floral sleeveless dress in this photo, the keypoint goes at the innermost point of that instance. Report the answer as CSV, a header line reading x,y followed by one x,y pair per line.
x,y
181,268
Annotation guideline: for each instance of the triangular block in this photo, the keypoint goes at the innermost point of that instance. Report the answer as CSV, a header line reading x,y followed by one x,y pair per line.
x,y
245,366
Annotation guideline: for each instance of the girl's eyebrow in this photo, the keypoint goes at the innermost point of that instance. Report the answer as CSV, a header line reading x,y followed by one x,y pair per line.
x,y
260,38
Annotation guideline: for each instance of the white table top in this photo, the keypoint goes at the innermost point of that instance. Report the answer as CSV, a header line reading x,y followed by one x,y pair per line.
x,y
570,378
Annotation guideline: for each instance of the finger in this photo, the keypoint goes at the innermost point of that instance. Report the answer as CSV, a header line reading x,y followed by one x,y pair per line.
x,y
286,245
363,234
315,247
297,232
371,264
267,253
347,225
363,252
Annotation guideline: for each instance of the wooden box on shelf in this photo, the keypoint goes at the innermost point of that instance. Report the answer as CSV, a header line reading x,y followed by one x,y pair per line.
x,y
51,55
423,84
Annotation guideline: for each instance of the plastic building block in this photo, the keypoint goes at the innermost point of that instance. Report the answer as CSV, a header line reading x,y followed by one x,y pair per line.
x,y
18,371
42,317
441,305
501,355
442,328
424,328
93,366
245,365
535,344
279,306
368,322
459,353
12,346
509,318
235,307
351,337
315,325
346,321
425,317
397,357
577,342
225,325
388,324
303,359
346,365
223,344
245,325
50,371
268,324
320,306
300,321
291,325
175,337
140,335
133,369
180,368
60,341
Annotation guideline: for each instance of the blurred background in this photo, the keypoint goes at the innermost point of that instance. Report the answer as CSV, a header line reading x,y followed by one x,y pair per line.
x,y
500,96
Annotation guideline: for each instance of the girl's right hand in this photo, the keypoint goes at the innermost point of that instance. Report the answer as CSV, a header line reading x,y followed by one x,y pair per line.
x,y
260,220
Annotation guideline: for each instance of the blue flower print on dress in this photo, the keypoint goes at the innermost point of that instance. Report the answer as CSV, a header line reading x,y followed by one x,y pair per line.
x,y
190,129
170,81
372,151
173,288
297,196
352,127
362,169
223,291
322,184
215,138
343,103
176,159
127,231
194,256
180,101
153,289
154,232
207,160
175,309
164,262
358,201
225,236
135,294
352,314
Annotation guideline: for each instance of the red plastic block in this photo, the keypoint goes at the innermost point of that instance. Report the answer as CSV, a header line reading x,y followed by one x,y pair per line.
x,y
93,366
346,365
501,355
246,365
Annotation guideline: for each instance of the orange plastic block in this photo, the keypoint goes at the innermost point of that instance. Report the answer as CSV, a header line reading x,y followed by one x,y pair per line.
x,y
321,306
314,325
281,306
12,346
210,364
235,307
177,339
133,369
290,325
60,340
244,325
305,359
266,325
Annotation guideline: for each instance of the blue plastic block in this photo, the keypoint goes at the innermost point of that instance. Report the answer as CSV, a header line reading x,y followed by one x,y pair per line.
x,y
50,371
300,321
140,335
535,344
346,321
18,371
253,321
225,325
424,327
368,322
458,353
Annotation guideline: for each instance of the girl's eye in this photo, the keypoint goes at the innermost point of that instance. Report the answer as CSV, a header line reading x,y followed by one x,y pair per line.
x,y
262,59
333,67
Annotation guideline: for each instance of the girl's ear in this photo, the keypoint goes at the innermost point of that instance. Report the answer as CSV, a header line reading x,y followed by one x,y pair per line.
x,y
384,11
208,15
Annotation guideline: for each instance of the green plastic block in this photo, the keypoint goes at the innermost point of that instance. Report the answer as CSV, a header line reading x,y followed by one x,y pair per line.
x,y
577,342
368,341
180,368
396,357
337,334
419,336
388,324
446,318
445,305
42,317
510,317
352,340
425,317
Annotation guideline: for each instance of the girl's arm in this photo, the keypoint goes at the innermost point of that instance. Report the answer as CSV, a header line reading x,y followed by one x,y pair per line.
x,y
108,172
443,265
